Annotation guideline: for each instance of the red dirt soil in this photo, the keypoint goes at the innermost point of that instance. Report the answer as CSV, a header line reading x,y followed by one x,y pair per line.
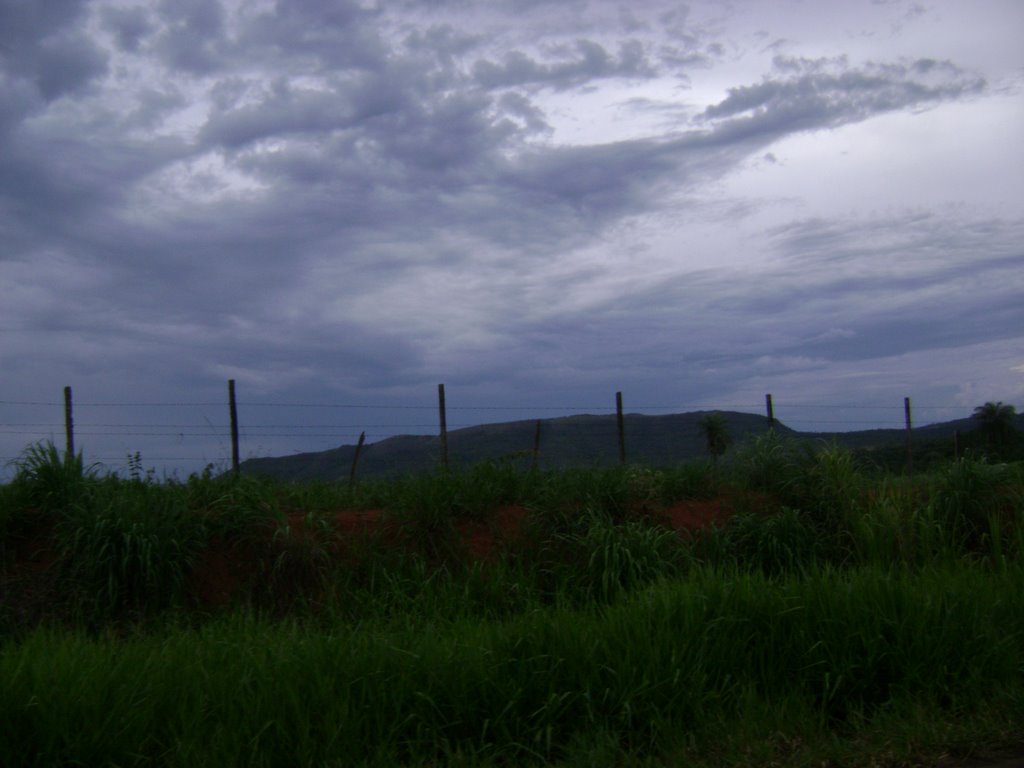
x,y
224,569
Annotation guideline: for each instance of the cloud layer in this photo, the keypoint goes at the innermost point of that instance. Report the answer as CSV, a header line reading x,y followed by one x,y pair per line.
x,y
539,205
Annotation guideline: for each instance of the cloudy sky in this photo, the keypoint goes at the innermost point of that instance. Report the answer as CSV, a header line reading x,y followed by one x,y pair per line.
x,y
537,202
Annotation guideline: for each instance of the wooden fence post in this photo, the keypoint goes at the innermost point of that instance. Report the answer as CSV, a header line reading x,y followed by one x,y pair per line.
x,y
622,428
69,427
355,458
444,426
233,408
906,418
536,447
771,411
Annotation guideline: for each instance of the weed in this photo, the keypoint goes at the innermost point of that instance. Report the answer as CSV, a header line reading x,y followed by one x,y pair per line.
x,y
693,480
768,463
607,559
614,491
49,480
297,563
129,547
236,508
136,472
490,484
688,671
783,542
830,488
968,491
425,507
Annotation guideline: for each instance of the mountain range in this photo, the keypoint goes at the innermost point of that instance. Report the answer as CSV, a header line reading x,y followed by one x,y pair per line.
x,y
570,441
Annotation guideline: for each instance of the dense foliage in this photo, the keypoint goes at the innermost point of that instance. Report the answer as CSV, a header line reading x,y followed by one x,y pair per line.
x,y
834,613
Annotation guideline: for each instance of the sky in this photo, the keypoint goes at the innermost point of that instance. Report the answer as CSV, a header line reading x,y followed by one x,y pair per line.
x,y
341,204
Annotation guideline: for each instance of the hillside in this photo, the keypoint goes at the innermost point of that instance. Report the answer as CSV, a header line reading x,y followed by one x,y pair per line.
x,y
571,441
587,441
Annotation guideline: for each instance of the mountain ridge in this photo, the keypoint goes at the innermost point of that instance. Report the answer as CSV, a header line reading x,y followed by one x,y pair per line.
x,y
583,440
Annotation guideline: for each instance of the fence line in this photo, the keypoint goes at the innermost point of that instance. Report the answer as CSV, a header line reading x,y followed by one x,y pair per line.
x,y
348,431
431,407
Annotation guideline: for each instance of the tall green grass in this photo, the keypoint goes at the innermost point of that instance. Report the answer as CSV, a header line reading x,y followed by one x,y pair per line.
x,y
674,669
833,604
48,480
129,547
128,544
606,559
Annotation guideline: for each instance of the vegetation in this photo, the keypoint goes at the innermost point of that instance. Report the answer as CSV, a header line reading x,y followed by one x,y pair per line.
x,y
654,441
830,614
715,429
995,422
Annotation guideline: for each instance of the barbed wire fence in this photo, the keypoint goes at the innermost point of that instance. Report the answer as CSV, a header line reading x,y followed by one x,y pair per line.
x,y
181,428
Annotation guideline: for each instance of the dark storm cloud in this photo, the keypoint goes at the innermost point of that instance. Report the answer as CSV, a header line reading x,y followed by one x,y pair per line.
x,y
54,174
375,144
823,93
836,292
896,285
283,110
193,36
591,182
38,43
401,127
373,148
325,37
129,26
331,199
583,62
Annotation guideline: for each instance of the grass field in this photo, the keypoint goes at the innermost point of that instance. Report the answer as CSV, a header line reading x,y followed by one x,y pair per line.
x,y
827,614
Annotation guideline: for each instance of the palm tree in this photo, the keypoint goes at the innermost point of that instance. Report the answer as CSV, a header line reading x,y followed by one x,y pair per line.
x,y
995,421
715,429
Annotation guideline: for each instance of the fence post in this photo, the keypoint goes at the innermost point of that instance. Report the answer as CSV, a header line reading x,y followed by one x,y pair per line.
x,y
444,426
536,447
355,458
622,428
233,407
771,411
69,426
906,418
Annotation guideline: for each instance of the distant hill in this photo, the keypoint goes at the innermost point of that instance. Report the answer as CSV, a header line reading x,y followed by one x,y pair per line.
x,y
571,441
